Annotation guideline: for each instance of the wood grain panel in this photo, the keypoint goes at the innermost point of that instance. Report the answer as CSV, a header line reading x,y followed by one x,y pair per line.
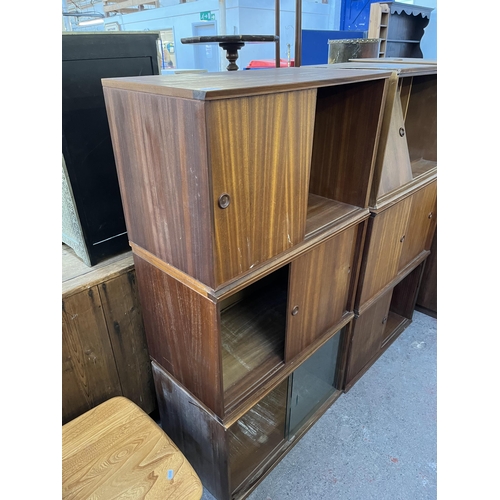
x,y
198,435
346,133
122,310
88,376
367,335
383,247
319,286
421,224
256,434
421,119
260,153
393,161
160,150
117,451
427,295
223,85
182,333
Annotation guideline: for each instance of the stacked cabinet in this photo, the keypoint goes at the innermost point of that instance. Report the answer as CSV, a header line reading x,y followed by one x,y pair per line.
x,y
402,223
248,233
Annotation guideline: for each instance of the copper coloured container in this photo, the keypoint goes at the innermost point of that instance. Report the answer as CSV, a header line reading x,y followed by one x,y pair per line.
x,y
353,48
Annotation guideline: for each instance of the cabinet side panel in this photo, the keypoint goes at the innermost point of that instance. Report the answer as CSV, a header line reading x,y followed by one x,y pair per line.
x,y
200,437
319,287
346,133
182,333
122,310
160,151
260,153
89,375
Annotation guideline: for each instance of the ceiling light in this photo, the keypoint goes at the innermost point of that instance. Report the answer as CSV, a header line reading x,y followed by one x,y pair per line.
x,y
91,22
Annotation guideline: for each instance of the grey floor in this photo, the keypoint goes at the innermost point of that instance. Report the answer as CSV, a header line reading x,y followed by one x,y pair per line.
x,y
378,441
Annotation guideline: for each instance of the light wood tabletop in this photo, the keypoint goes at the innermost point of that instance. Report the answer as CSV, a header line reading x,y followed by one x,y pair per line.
x,y
116,451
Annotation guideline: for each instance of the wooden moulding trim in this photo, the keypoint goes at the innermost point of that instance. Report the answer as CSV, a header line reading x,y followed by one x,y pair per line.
x,y
242,84
97,276
397,195
258,272
401,275
189,281
233,415
284,258
275,457
193,399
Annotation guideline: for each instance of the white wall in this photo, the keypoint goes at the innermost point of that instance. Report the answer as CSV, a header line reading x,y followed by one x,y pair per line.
x,y
249,17
429,40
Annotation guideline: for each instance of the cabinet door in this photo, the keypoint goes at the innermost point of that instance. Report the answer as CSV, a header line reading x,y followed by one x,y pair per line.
x,y
259,153
368,335
319,287
421,224
386,234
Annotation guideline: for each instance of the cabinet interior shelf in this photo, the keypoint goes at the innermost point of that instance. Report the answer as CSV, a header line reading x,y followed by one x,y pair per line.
x,y
395,322
420,167
253,323
324,212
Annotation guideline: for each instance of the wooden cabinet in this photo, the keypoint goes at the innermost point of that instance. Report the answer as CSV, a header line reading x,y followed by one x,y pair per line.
x,y
104,349
403,204
399,237
255,170
374,330
251,237
400,27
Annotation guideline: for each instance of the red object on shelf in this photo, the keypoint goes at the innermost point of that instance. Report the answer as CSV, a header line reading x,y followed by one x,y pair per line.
x,y
268,63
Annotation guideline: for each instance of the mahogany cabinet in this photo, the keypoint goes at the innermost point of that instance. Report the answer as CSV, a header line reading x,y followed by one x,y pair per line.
x,y
372,332
403,203
254,238
258,165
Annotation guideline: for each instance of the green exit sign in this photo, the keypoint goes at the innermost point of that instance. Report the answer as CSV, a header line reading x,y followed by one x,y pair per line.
x,y
207,16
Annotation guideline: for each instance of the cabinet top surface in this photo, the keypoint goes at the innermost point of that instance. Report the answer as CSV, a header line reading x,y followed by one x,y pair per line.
x,y
227,84
402,66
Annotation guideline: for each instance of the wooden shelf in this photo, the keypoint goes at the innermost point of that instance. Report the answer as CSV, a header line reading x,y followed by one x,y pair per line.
x,y
253,330
322,213
255,435
420,167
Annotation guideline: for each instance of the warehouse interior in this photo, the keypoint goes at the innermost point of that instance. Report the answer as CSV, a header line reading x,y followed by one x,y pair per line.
x,y
389,418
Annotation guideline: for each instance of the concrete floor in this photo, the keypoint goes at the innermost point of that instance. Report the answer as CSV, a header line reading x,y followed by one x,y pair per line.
x,y
378,441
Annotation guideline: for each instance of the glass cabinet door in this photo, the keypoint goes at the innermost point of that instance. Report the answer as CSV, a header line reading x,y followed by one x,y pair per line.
x,y
312,383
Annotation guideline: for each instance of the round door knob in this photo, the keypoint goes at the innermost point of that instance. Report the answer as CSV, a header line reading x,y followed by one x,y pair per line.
x,y
402,238
430,215
384,321
224,200
401,131
295,310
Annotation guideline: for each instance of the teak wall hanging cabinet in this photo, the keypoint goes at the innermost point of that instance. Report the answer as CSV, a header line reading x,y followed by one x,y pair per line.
x,y
250,238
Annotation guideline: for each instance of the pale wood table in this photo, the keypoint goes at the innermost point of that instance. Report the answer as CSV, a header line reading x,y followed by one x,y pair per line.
x,y
116,450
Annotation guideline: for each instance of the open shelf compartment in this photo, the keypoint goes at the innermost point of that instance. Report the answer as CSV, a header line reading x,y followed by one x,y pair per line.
x,y
346,128
253,327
